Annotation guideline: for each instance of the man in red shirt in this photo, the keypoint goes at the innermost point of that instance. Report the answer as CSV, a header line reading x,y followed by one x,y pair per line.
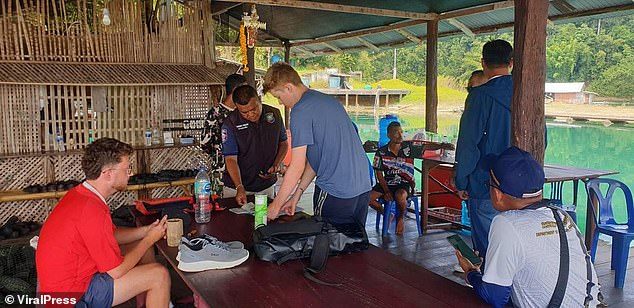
x,y
82,255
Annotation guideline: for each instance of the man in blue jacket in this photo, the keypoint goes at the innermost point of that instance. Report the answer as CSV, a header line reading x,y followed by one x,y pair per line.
x,y
485,130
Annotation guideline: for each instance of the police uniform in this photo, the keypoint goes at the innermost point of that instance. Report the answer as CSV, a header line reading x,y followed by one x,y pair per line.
x,y
255,145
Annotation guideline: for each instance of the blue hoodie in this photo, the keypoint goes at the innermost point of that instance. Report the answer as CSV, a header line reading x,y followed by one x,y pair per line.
x,y
485,130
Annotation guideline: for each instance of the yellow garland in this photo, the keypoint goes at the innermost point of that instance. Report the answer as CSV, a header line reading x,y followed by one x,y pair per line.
x,y
243,47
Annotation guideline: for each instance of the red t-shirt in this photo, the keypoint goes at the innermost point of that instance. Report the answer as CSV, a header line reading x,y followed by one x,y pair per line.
x,y
76,241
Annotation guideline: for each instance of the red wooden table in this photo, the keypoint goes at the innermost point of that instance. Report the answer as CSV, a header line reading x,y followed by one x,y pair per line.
x,y
553,173
373,278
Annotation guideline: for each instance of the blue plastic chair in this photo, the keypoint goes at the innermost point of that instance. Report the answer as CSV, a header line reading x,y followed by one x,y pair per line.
x,y
390,207
622,234
556,199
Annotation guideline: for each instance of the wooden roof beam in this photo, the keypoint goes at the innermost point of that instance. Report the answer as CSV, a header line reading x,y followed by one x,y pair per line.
x,y
352,34
368,44
409,35
563,6
333,47
321,6
477,9
305,51
222,8
461,26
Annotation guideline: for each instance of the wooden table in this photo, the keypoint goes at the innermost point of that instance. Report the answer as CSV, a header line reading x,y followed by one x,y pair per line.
x,y
553,173
373,278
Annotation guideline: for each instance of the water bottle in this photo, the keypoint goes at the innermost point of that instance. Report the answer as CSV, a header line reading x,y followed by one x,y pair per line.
x,y
60,142
383,124
465,215
445,140
202,188
148,137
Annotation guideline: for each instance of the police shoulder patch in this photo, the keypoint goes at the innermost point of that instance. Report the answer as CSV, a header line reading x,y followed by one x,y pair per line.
x,y
270,118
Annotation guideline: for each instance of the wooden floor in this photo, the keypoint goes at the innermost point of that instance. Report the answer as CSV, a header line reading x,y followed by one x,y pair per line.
x,y
432,251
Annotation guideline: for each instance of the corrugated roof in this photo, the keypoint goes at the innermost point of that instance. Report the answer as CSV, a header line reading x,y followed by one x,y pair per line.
x,y
310,28
60,73
564,87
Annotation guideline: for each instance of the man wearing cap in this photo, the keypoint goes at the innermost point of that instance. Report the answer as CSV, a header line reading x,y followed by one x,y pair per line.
x,y
485,129
254,144
524,254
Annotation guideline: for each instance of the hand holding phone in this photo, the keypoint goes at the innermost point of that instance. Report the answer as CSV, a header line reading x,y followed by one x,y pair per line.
x,y
466,251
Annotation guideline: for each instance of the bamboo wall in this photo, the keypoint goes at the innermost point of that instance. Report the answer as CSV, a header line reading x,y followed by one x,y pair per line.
x,y
73,31
31,115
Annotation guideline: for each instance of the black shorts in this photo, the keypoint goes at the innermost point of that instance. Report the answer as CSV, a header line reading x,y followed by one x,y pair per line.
x,y
393,188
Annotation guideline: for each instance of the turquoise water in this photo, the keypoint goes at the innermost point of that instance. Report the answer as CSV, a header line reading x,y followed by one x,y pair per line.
x,y
578,144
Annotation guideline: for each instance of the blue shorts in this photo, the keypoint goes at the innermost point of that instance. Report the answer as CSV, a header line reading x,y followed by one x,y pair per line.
x,y
337,210
100,292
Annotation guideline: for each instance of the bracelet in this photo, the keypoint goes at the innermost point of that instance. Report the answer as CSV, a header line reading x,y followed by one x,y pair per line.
x,y
239,186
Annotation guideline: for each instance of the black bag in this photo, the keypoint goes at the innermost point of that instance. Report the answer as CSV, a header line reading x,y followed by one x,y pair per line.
x,y
310,237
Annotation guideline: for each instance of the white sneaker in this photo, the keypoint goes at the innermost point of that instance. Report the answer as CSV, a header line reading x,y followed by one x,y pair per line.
x,y
458,269
208,238
205,255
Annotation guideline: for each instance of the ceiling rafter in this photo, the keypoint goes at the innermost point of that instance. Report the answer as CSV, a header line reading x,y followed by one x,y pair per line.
x,y
333,47
411,36
312,5
461,26
368,44
352,34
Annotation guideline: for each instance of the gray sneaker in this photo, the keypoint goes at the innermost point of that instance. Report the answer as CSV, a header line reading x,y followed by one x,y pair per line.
x,y
205,255
185,242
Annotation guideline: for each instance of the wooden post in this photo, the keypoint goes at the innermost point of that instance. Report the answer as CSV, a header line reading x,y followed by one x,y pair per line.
x,y
287,59
529,76
431,92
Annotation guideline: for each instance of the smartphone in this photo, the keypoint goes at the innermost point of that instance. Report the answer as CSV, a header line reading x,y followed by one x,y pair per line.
x,y
466,251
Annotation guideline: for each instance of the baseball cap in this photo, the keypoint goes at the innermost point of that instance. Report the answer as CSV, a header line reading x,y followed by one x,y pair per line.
x,y
516,173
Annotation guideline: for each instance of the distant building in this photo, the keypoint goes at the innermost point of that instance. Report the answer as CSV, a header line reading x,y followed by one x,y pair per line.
x,y
332,76
568,92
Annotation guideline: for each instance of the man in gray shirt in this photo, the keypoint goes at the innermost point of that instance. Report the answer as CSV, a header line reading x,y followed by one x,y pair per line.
x,y
325,145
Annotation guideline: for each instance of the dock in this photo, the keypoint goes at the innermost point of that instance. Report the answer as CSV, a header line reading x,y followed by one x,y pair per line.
x,y
606,120
362,97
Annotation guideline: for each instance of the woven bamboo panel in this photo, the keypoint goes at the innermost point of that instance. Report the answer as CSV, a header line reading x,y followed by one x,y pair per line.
x,y
178,158
19,119
74,31
32,210
121,198
167,192
19,172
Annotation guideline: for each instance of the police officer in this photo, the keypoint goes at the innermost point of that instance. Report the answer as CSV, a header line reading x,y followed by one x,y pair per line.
x,y
254,144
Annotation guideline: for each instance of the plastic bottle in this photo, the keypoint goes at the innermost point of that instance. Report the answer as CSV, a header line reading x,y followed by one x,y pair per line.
x,y
148,137
59,140
383,123
445,139
202,187
465,215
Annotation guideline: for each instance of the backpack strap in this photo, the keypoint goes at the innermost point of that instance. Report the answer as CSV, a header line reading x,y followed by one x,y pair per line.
x,y
564,263
318,259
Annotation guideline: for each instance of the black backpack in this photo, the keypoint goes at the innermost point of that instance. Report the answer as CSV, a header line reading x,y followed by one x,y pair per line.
x,y
309,237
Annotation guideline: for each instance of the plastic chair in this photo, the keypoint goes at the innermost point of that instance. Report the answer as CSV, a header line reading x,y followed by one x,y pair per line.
x,y
556,199
390,207
622,234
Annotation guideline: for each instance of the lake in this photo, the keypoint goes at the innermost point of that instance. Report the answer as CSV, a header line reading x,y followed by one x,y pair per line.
x,y
577,144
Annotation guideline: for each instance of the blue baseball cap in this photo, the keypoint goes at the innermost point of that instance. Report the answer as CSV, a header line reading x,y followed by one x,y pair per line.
x,y
516,173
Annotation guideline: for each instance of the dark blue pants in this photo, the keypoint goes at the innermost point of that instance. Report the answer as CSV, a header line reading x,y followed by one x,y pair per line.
x,y
337,210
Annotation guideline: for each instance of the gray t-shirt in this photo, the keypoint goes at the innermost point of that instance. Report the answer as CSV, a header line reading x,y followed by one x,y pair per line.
x,y
334,149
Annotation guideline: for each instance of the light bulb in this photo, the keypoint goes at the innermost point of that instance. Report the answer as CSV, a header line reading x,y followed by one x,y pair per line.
x,y
106,17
